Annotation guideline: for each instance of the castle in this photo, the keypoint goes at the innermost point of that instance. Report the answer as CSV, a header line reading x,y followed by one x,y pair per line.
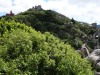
x,y
37,7
11,14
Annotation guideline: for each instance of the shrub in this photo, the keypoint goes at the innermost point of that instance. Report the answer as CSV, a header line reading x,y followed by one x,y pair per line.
x,y
25,51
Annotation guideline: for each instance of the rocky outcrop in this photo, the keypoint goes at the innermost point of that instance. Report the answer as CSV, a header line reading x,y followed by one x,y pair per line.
x,y
84,51
94,58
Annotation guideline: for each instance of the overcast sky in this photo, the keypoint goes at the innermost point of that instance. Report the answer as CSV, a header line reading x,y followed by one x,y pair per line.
x,y
81,10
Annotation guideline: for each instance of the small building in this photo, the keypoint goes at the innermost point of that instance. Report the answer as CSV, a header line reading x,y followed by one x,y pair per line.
x,y
10,14
94,25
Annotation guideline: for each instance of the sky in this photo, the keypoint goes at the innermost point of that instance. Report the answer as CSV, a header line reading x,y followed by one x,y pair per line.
x,y
81,10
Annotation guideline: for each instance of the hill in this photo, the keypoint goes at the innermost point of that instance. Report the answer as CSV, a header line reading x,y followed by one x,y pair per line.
x,y
68,30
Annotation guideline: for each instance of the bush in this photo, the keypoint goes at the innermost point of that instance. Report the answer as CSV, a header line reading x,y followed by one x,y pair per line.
x,y
25,51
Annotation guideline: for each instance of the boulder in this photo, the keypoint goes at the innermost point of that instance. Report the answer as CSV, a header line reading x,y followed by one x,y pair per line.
x,y
94,56
98,66
96,52
97,73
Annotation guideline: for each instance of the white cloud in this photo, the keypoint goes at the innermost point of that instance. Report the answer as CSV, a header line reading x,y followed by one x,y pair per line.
x,y
5,3
22,5
81,10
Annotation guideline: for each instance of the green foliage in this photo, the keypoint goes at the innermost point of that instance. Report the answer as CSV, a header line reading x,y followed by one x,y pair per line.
x,y
50,21
91,45
24,51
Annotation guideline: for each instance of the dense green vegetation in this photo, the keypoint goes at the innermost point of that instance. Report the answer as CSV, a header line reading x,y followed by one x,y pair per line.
x,y
24,51
68,30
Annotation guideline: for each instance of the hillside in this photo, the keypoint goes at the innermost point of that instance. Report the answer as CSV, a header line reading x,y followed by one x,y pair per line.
x,y
24,51
68,30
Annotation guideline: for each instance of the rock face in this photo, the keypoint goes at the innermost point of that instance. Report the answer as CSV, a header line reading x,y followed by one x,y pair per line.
x,y
98,65
94,58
